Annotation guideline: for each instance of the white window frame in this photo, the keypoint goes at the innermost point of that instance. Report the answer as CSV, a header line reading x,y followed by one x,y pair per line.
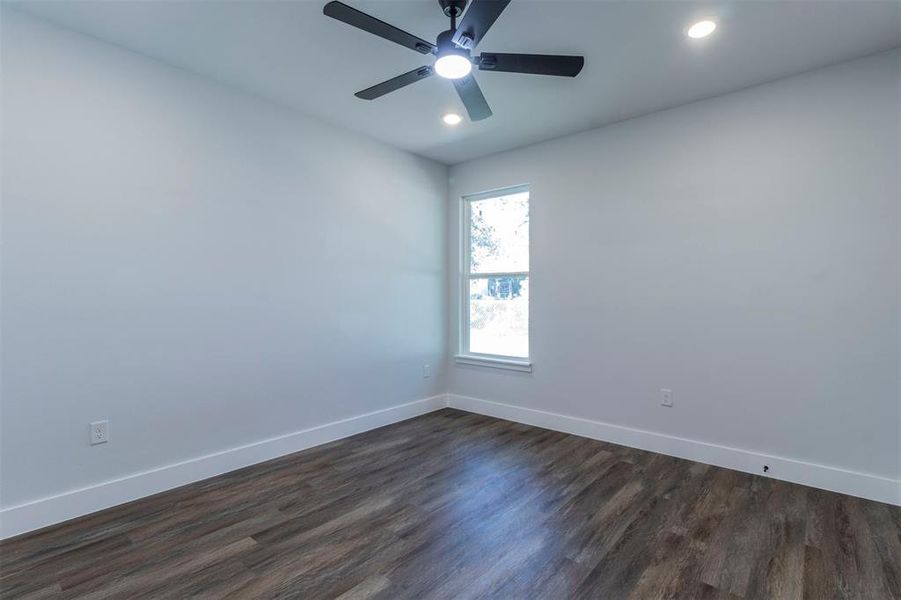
x,y
464,356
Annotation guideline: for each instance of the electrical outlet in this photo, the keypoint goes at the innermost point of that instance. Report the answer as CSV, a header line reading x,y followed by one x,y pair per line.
x,y
666,397
426,371
99,432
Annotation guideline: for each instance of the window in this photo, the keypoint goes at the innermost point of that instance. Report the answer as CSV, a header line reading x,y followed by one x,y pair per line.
x,y
495,279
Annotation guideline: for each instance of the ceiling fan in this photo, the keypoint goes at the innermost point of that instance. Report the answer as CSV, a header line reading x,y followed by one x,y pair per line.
x,y
452,49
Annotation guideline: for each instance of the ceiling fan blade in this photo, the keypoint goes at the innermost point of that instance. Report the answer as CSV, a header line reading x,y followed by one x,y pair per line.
x,y
360,20
395,83
535,64
472,98
477,20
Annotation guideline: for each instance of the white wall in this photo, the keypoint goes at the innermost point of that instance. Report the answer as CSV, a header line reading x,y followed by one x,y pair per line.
x,y
201,267
743,251
207,269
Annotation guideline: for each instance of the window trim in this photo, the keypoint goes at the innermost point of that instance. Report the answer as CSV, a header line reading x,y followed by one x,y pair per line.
x,y
490,360
463,356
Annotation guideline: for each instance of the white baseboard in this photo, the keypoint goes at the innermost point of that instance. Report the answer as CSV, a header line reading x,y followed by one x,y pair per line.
x,y
75,503
43,512
863,485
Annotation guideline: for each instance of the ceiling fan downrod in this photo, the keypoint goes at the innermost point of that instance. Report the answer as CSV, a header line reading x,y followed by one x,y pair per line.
x,y
453,9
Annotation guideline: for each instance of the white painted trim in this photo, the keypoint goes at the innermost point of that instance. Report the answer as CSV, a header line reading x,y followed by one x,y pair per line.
x,y
509,190
48,511
511,364
863,485
36,514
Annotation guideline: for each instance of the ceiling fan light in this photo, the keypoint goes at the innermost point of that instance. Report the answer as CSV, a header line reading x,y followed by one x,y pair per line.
x,y
453,66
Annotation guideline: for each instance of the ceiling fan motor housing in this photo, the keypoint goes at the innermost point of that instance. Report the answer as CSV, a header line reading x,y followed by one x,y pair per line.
x,y
445,45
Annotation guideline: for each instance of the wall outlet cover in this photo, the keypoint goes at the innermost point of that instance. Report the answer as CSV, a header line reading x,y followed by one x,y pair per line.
x,y
666,397
99,432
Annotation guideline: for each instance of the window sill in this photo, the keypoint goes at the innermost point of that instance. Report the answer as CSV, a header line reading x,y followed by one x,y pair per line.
x,y
510,364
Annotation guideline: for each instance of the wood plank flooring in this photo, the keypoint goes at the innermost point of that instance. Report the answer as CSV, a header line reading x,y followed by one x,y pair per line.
x,y
456,505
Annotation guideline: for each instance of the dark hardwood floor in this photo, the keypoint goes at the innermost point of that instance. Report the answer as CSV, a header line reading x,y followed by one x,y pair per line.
x,y
456,505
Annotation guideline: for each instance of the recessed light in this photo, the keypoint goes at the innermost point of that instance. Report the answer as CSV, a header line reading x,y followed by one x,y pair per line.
x,y
452,118
701,29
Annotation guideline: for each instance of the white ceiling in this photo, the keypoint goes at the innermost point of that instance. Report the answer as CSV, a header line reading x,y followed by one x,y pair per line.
x,y
637,58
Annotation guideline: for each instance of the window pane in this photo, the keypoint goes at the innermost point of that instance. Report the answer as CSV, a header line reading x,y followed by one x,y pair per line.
x,y
499,234
499,316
